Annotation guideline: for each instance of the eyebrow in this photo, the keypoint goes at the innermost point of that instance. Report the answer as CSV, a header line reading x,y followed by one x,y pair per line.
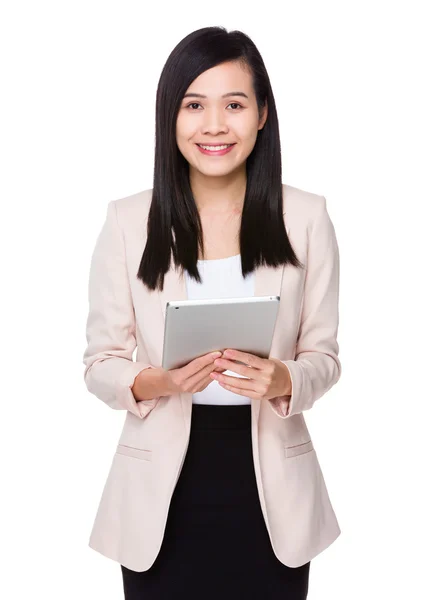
x,y
192,95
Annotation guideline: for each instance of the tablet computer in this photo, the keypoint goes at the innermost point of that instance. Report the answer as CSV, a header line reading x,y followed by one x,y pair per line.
x,y
196,327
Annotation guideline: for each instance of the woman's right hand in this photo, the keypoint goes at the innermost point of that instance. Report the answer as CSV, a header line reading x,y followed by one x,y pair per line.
x,y
194,376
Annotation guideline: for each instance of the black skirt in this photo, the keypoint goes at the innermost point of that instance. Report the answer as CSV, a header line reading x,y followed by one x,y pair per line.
x,y
216,545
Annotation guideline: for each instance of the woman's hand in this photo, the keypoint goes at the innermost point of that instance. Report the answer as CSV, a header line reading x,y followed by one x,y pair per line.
x,y
268,377
194,376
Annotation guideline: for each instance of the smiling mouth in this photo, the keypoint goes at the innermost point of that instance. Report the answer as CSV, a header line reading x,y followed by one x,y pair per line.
x,y
215,146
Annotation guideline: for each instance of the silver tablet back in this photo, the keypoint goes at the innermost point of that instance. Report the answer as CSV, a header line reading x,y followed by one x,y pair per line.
x,y
196,327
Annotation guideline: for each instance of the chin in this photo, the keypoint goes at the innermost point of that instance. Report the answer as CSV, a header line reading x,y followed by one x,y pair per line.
x,y
215,172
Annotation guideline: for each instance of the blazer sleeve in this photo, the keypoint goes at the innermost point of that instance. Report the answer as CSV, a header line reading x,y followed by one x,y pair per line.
x,y
110,329
316,367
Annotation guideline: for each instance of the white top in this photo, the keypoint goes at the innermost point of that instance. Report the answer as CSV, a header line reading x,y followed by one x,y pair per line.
x,y
221,278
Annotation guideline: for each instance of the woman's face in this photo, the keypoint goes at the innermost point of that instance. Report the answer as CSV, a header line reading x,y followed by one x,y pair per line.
x,y
206,117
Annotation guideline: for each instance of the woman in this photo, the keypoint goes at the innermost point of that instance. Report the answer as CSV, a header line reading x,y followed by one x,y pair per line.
x,y
215,489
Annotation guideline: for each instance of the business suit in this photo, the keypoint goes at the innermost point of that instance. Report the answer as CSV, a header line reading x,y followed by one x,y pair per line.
x,y
123,314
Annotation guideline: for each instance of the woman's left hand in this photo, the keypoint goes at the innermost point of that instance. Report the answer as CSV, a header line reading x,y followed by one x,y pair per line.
x,y
267,377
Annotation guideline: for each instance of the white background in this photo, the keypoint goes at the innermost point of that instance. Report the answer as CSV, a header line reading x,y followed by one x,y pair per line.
x,y
77,130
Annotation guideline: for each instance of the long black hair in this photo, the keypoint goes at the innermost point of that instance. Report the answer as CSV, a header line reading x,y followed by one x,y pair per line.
x,y
174,225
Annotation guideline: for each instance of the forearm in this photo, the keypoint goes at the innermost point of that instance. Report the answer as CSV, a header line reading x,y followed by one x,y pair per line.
x,y
151,383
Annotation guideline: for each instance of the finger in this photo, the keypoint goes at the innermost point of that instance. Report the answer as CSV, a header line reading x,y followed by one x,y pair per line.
x,y
202,384
230,365
195,380
205,382
200,363
248,385
242,392
246,357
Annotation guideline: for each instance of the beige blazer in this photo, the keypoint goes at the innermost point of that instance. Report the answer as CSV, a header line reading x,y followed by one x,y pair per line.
x,y
124,315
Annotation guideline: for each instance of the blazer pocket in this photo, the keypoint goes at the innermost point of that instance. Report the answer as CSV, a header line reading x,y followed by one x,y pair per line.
x,y
291,451
134,452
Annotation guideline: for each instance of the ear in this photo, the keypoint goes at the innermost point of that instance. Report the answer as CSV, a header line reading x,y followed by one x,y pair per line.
x,y
263,117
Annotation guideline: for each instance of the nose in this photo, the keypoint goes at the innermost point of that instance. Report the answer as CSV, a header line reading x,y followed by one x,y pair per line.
x,y
214,122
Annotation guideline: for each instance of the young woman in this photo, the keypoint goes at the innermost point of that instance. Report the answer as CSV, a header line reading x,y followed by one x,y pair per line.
x,y
215,490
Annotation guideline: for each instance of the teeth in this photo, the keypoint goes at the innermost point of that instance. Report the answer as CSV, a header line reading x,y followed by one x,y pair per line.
x,y
215,147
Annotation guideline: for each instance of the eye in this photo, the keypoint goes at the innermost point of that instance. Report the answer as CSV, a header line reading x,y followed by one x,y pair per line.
x,y
197,104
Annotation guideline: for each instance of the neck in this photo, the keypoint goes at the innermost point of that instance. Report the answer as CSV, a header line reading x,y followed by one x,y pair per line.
x,y
219,195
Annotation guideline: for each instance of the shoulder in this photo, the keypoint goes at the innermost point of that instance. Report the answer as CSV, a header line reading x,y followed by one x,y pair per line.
x,y
133,210
301,205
